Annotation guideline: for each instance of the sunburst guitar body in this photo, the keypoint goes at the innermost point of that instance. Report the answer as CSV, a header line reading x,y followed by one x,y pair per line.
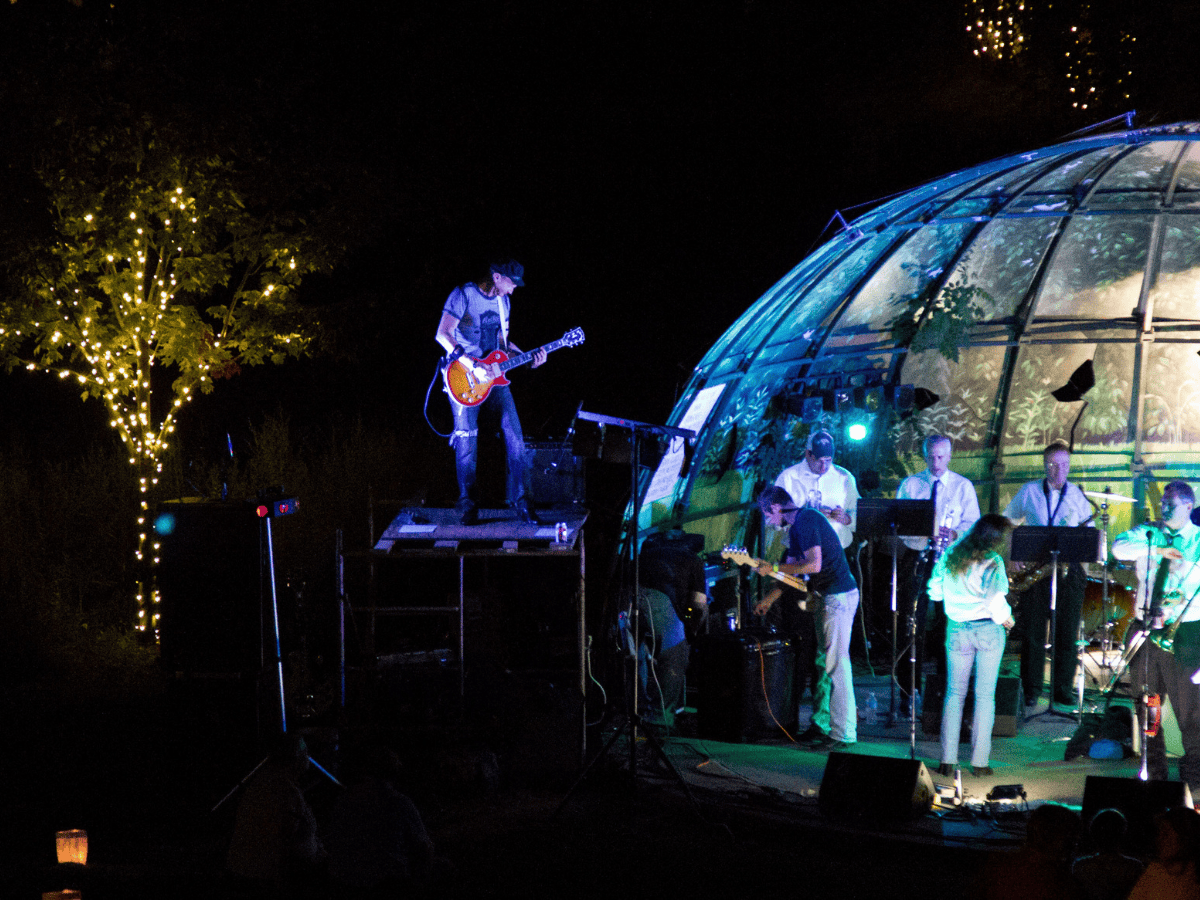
x,y
469,389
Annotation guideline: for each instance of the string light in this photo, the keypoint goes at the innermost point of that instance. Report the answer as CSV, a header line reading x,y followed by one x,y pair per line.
x,y
115,314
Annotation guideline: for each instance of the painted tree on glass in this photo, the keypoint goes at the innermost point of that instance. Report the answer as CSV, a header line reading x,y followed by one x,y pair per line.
x,y
154,275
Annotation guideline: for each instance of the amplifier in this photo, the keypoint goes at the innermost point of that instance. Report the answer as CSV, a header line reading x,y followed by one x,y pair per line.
x,y
556,475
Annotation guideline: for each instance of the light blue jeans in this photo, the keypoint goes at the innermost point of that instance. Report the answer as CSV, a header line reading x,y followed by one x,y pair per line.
x,y
834,709
978,645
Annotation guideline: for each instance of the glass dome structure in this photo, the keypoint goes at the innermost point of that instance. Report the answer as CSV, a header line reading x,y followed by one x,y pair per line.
x,y
960,308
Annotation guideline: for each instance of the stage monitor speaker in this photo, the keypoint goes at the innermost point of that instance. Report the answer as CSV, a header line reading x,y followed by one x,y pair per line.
x,y
556,475
208,582
1140,801
874,790
732,668
1010,706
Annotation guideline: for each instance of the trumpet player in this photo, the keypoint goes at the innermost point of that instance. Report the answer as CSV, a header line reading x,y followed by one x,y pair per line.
x,y
1167,558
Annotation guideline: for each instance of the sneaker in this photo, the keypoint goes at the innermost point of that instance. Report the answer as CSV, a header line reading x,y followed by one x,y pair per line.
x,y
523,512
842,746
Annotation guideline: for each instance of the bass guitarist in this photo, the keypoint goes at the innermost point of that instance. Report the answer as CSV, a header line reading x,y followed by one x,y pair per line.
x,y
1052,500
474,323
956,509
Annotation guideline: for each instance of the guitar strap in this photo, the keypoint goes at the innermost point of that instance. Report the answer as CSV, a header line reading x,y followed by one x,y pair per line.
x,y
503,306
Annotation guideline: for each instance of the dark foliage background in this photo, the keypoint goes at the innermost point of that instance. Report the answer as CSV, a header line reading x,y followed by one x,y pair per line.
x,y
656,166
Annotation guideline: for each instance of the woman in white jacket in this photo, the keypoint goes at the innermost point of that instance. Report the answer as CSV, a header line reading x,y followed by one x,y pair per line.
x,y
971,583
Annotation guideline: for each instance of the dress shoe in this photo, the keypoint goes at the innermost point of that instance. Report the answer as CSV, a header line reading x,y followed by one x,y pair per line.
x,y
982,771
812,735
1065,699
469,515
829,743
946,770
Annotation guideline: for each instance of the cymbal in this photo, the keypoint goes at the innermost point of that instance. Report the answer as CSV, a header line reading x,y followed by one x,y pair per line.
x,y
1105,495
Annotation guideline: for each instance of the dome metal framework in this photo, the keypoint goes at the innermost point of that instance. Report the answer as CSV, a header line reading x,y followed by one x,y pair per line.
x,y
988,288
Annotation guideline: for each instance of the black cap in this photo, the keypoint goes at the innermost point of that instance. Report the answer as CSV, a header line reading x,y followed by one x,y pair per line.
x,y
510,269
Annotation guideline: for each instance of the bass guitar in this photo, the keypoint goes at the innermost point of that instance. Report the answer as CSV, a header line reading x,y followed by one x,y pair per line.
x,y
470,389
742,558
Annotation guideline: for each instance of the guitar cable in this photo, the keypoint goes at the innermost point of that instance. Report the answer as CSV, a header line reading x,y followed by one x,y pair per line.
x,y
437,374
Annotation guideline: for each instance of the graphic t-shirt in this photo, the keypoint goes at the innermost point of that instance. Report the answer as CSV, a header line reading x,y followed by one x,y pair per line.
x,y
478,315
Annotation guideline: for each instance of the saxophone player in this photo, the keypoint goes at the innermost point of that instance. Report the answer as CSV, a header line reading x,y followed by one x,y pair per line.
x,y
1166,555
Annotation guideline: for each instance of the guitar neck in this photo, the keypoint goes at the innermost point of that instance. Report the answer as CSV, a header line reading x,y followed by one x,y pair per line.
x,y
521,358
790,580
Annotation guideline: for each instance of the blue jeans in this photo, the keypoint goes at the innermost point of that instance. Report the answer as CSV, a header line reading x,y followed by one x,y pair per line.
x,y
834,709
978,645
465,441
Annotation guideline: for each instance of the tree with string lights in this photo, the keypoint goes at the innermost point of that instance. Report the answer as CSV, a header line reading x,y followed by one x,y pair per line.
x,y
158,269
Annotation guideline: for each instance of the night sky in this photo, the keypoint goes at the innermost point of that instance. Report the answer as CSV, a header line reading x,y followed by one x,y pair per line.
x,y
656,166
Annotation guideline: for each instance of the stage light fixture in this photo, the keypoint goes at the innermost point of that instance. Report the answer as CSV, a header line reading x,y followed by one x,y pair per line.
x,y
869,399
811,409
857,431
901,396
843,400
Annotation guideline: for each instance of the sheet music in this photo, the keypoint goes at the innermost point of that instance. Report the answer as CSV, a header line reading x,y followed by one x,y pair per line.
x,y
667,474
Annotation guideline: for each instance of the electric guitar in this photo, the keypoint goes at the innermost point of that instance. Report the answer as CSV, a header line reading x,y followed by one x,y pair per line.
x,y
742,558
469,389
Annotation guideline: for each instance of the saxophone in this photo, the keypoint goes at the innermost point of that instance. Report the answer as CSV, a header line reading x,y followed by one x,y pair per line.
x,y
1027,578
1164,638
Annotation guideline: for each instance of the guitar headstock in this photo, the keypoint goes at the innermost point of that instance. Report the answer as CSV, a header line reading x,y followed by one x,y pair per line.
x,y
573,338
738,555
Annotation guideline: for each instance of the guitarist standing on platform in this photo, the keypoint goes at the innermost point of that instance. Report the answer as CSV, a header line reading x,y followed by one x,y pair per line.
x,y
474,323
956,509
1051,501
814,550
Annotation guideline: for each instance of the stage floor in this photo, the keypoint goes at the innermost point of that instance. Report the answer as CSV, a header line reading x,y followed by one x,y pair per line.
x,y
784,778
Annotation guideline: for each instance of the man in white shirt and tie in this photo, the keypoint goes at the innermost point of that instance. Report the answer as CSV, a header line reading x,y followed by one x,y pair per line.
x,y
956,509
1052,500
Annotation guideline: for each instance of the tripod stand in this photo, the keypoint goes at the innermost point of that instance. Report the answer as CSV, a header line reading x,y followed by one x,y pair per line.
x,y
267,509
1059,545
633,720
895,519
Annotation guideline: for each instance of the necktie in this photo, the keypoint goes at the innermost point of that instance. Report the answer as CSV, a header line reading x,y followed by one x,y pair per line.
x,y
1160,578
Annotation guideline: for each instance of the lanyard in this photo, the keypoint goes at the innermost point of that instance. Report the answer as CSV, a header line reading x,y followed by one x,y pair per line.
x,y
1062,495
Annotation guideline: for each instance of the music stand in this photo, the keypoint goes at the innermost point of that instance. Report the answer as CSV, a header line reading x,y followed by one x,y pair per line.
x,y
896,519
1033,543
